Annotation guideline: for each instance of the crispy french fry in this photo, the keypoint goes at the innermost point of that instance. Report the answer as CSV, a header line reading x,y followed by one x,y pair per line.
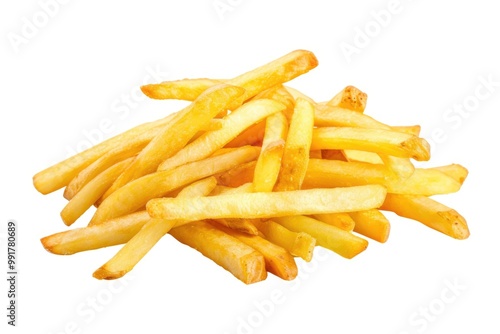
x,y
210,142
267,205
328,236
269,161
457,172
373,140
297,243
341,219
115,232
337,116
175,136
91,192
429,212
135,194
138,246
185,89
241,260
297,146
426,182
372,224
278,260
350,98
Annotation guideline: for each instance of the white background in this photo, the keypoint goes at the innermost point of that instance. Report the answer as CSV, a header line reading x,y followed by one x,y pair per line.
x,y
61,81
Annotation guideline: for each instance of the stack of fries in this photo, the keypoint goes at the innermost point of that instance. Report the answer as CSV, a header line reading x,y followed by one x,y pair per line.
x,y
252,174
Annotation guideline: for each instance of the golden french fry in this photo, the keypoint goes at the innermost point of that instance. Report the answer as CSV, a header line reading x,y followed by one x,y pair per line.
x,y
429,212
269,162
337,116
373,140
341,219
426,182
185,89
350,98
278,260
134,195
269,204
236,122
115,232
297,145
297,243
457,172
152,231
91,192
372,224
244,262
178,133
328,236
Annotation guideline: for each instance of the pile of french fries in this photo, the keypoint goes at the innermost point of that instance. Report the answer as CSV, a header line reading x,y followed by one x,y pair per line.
x,y
252,174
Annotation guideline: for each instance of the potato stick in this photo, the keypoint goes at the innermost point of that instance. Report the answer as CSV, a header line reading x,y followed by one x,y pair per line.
x,y
137,247
238,175
429,212
341,219
264,77
253,135
115,232
411,129
236,122
372,140
335,173
296,153
107,160
328,236
350,98
239,224
91,192
455,171
372,224
178,133
400,167
269,161
297,243
185,89
336,116
244,262
267,205
278,260
60,174
135,194
426,182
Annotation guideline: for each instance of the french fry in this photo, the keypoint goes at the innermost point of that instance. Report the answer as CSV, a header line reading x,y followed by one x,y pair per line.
x,y
328,236
116,231
253,135
152,231
411,129
336,116
91,192
426,182
269,204
372,224
185,89
134,195
350,98
341,219
373,140
241,260
297,146
457,172
297,243
400,167
429,212
236,122
175,136
278,260
269,161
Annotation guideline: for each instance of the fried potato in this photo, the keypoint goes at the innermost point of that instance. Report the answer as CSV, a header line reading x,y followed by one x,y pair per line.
x,y
429,212
328,236
297,146
244,262
269,204
185,89
372,224
350,98
341,219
